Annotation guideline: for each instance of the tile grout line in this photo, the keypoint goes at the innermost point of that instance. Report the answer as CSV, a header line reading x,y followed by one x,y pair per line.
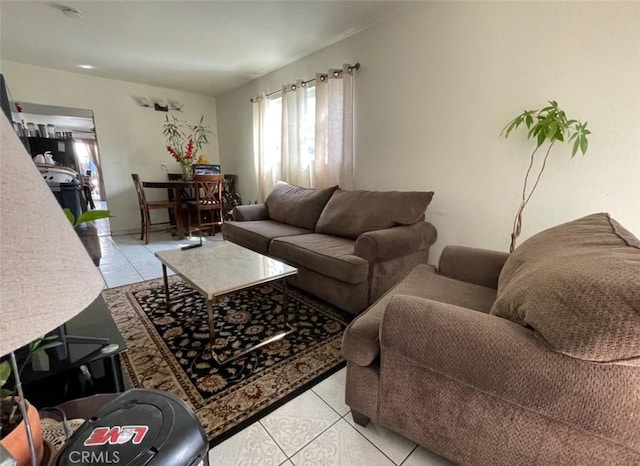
x,y
326,402
134,265
376,446
128,261
410,453
329,427
272,438
312,440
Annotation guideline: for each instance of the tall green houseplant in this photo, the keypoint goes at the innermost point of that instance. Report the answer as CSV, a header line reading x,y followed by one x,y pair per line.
x,y
547,126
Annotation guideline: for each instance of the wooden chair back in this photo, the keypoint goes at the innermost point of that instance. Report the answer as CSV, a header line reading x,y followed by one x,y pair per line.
x,y
208,201
208,189
175,222
142,199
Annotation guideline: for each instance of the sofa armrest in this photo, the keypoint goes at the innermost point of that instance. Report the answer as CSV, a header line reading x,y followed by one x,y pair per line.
x,y
472,265
360,341
395,242
245,213
507,362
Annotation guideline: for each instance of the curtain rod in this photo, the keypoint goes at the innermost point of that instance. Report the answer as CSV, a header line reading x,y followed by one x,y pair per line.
x,y
336,73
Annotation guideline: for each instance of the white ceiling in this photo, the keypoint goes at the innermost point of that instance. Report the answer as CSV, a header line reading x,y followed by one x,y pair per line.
x,y
207,47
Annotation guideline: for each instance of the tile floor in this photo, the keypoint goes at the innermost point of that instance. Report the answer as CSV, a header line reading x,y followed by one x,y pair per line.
x,y
314,428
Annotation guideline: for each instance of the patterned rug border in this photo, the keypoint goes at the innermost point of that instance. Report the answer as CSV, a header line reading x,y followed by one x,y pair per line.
x,y
121,296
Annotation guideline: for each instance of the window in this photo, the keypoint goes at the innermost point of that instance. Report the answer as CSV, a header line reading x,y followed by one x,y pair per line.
x,y
304,135
273,134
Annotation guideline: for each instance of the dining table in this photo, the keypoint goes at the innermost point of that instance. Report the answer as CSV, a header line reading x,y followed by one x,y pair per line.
x,y
178,190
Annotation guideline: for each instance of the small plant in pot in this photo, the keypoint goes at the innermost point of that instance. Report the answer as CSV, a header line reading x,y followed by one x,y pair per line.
x,y
13,435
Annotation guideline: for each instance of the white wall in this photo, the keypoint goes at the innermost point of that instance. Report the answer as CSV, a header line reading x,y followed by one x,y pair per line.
x,y
129,136
439,82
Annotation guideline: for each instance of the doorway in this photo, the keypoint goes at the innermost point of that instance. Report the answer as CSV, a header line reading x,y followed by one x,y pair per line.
x,y
69,135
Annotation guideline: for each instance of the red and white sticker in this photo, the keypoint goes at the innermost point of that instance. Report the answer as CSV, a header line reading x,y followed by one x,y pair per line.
x,y
116,435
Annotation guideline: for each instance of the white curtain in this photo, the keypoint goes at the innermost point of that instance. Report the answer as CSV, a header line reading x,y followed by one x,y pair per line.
x,y
304,135
298,134
267,173
334,128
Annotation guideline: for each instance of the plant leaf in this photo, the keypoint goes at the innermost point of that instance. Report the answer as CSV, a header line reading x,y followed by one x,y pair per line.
x,y
91,215
5,372
69,215
50,338
551,124
528,120
46,346
551,130
536,129
583,143
575,146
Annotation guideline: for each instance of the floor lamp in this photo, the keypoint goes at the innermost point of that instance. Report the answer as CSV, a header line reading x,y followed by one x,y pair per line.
x,y
46,275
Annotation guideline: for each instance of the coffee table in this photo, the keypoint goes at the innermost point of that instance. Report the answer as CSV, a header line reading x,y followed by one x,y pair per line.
x,y
220,268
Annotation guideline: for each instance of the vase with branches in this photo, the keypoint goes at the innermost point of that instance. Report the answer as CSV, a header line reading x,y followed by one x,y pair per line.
x,y
184,140
547,126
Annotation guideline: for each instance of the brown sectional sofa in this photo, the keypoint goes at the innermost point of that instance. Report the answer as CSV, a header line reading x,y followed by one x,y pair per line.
x,y
350,247
497,359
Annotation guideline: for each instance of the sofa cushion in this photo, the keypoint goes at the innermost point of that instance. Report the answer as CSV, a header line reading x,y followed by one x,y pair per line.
x,y
327,255
351,213
577,285
297,206
256,235
361,343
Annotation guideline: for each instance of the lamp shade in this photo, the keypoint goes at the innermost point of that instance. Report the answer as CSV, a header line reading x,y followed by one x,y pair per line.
x,y
46,274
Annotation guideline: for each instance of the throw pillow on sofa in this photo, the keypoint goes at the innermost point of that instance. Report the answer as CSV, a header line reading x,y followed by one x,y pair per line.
x,y
577,285
350,213
297,206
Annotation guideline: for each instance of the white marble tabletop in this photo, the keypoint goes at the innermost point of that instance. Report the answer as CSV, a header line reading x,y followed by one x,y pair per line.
x,y
222,267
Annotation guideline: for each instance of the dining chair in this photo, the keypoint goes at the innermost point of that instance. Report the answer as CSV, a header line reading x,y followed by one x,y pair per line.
x,y
208,201
147,206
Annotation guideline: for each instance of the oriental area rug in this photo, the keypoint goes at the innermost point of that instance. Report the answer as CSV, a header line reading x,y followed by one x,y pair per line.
x,y
169,348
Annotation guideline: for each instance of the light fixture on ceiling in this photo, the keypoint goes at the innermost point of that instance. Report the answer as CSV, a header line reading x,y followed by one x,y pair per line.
x,y
71,12
86,67
158,103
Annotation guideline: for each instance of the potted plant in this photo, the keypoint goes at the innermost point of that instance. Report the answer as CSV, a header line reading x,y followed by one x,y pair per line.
x,y
184,141
547,125
13,434
88,233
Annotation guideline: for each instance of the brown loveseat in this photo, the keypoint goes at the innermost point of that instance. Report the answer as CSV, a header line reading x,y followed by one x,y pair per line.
x,y
531,358
350,247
